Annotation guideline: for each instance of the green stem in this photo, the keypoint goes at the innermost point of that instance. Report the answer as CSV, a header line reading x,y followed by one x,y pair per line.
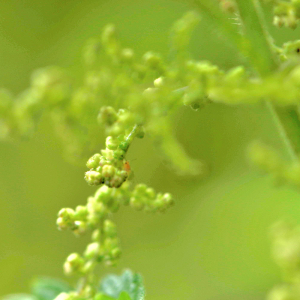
x,y
283,132
130,137
263,59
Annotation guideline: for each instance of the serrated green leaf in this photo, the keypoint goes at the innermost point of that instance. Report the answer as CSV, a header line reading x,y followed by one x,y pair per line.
x,y
19,297
128,282
48,288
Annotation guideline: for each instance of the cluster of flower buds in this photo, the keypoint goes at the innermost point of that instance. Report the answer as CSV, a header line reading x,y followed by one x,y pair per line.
x,y
104,248
94,217
145,198
269,161
110,167
286,13
286,253
90,217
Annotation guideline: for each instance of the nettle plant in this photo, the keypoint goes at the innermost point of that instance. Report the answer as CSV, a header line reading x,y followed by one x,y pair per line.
x,y
130,98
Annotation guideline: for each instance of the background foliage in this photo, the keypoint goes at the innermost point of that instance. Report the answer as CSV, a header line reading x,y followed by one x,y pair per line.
x,y
214,243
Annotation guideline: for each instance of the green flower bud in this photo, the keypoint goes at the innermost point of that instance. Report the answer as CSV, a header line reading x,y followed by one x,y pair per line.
x,y
278,21
107,116
66,213
168,199
96,235
109,228
98,208
61,224
81,212
108,171
111,143
103,194
63,296
66,218
89,292
136,203
110,243
141,188
116,253
88,267
92,250
152,60
80,228
108,154
73,264
93,178
150,193
127,55
159,82
119,154
124,146
93,162
115,130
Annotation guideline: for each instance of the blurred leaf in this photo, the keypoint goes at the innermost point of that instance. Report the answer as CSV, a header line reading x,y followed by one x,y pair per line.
x,y
124,296
128,282
19,297
48,288
101,296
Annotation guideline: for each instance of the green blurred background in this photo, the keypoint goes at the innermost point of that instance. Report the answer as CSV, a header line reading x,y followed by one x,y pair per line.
x,y
214,244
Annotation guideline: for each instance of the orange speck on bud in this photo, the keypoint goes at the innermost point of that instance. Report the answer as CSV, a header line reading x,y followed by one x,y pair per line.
x,y
127,166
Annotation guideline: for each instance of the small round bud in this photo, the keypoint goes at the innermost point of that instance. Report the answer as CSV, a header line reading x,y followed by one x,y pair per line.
x,y
80,228
73,264
66,217
136,203
168,199
108,154
92,250
141,188
93,178
103,194
81,212
150,193
109,228
111,143
61,224
117,181
107,116
159,82
152,60
63,296
119,154
93,162
96,235
110,243
124,146
66,213
116,253
127,55
88,267
108,171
